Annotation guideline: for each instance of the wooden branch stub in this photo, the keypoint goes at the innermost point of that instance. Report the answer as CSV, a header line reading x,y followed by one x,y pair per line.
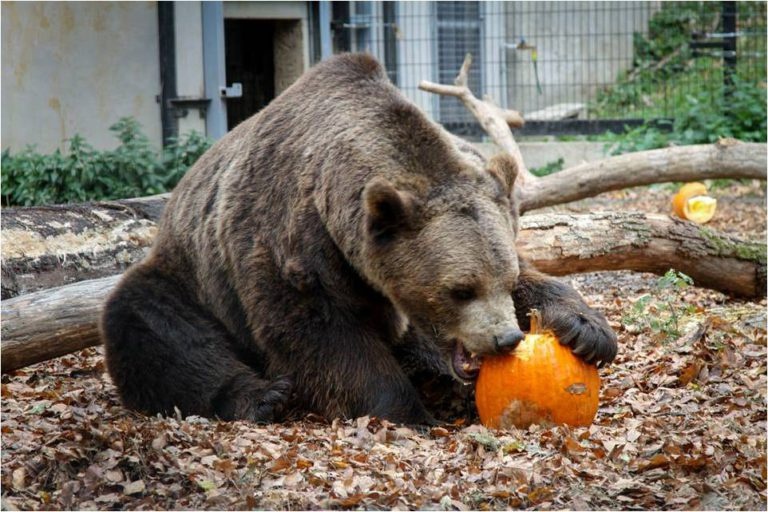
x,y
462,79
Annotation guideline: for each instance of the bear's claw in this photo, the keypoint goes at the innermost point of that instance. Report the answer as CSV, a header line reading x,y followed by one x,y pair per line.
x,y
587,333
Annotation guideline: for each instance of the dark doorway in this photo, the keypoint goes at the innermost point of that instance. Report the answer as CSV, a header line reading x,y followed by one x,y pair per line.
x,y
250,50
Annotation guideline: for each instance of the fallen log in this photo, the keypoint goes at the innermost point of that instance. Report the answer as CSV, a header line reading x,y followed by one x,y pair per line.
x,y
727,158
48,246
562,244
49,323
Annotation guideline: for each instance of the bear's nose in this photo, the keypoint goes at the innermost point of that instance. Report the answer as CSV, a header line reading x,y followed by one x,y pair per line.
x,y
508,340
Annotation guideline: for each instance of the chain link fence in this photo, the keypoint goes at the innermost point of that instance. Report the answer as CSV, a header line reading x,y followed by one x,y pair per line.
x,y
570,67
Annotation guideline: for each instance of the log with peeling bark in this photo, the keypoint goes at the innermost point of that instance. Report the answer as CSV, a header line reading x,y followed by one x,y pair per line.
x,y
47,246
562,244
49,323
728,158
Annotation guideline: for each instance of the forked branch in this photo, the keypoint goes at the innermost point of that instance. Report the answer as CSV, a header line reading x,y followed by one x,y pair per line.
x,y
495,120
727,158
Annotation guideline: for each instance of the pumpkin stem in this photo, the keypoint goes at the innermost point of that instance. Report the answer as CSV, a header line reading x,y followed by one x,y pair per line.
x,y
535,316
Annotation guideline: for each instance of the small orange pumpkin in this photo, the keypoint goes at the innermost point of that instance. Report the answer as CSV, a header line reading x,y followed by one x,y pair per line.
x,y
541,382
693,203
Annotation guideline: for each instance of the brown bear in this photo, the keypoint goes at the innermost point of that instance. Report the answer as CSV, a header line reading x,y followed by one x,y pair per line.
x,y
317,248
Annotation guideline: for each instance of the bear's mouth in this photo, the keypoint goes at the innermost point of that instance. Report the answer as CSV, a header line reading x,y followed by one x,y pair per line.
x,y
465,365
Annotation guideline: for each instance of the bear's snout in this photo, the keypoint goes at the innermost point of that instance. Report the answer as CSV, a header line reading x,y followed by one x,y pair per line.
x,y
489,325
508,340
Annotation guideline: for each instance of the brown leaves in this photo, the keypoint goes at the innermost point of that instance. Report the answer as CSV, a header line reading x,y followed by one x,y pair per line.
x,y
677,421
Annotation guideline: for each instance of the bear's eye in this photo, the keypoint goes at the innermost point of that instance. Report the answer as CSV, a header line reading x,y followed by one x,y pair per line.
x,y
463,293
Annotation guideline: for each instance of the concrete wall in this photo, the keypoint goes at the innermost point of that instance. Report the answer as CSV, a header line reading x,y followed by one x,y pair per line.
x,y
539,154
291,53
579,45
76,67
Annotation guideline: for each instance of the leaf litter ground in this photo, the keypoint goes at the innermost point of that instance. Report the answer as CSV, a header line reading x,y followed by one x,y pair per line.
x,y
681,425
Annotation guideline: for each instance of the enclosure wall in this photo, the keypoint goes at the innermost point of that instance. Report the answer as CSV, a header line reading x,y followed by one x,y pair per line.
x,y
77,67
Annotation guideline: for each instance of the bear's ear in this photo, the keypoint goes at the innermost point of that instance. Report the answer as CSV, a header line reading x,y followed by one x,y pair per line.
x,y
504,168
387,209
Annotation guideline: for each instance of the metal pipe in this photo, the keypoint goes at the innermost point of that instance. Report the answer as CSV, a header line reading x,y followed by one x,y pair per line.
x,y
167,44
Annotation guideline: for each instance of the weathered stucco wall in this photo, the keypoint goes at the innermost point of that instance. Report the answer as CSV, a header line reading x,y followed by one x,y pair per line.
x,y
76,67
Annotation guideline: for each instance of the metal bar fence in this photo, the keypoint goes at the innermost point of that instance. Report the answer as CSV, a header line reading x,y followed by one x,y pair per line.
x,y
571,67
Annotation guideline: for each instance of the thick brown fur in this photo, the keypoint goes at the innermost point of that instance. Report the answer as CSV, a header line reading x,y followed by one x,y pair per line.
x,y
310,246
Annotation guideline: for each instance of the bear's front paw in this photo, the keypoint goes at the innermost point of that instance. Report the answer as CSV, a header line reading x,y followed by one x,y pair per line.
x,y
586,332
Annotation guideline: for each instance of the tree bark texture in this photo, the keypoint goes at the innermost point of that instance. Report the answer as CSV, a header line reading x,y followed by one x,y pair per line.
x,y
49,323
561,244
49,246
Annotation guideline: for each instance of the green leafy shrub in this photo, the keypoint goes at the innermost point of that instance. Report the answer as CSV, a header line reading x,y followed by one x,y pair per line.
x,y
549,168
83,173
708,117
668,81
657,312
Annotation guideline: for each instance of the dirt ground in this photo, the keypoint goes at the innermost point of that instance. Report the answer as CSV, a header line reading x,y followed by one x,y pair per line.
x,y
681,425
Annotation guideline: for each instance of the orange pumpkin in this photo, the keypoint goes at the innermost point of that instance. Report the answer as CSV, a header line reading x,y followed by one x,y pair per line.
x,y
693,203
541,382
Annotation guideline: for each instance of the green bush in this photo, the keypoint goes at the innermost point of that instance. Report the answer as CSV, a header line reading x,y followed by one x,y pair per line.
x,y
548,168
83,173
666,80
708,117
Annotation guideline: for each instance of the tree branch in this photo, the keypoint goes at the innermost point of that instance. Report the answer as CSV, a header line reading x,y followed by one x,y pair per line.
x,y
727,158
494,120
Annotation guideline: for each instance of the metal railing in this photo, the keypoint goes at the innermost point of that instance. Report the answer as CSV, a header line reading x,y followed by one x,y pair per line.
x,y
571,67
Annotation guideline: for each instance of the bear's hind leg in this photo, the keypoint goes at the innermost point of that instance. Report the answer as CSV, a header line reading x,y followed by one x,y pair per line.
x,y
164,352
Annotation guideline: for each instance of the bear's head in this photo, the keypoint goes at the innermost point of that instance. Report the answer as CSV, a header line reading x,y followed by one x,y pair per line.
x,y
444,253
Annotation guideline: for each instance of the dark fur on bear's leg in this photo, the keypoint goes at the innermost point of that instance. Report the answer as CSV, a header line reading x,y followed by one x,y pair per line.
x,y
565,312
164,352
245,396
